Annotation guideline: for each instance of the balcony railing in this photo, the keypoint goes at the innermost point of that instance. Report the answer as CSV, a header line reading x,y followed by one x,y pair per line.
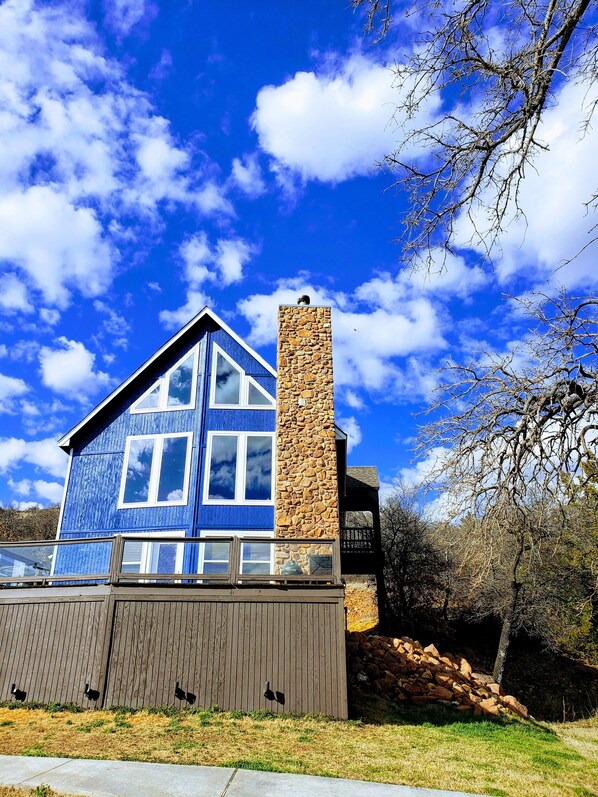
x,y
359,539
152,559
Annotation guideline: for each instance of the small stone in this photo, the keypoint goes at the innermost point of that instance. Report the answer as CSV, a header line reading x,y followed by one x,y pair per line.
x,y
516,706
490,706
465,668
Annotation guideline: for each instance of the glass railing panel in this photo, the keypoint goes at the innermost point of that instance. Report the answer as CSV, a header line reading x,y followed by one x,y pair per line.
x,y
42,561
26,561
186,561
286,560
153,559
85,558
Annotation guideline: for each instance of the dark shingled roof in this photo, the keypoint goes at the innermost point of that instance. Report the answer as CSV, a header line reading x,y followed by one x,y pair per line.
x,y
360,476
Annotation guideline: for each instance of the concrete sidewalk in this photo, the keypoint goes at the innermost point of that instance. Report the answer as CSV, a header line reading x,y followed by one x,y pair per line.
x,y
133,779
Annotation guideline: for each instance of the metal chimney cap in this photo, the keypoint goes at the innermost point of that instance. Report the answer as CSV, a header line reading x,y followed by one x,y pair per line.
x,y
304,299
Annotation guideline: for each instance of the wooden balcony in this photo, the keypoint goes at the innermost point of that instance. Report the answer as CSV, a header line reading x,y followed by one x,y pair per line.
x,y
360,550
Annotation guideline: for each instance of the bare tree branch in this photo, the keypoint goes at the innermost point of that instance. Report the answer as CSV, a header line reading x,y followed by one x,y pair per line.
x,y
498,65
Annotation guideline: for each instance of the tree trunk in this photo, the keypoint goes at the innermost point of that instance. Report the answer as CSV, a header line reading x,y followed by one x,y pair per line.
x,y
504,641
507,625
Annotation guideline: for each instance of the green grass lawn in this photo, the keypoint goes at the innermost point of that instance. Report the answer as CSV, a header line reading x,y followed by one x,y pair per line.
x,y
432,747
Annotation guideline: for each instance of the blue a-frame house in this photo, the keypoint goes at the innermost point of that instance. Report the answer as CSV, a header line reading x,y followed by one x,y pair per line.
x,y
186,448
183,447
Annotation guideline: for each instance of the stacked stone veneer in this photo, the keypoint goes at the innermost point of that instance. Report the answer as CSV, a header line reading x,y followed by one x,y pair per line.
x,y
306,478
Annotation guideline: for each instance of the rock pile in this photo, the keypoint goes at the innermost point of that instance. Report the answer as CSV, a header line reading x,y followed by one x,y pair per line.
x,y
404,670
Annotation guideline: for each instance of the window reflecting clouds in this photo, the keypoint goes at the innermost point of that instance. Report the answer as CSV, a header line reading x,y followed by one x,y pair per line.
x,y
228,382
138,471
256,398
223,467
172,469
156,470
174,390
232,387
239,468
180,384
258,473
151,401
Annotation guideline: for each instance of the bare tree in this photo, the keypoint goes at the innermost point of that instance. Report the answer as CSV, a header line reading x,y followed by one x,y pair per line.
x,y
514,431
28,524
497,66
415,571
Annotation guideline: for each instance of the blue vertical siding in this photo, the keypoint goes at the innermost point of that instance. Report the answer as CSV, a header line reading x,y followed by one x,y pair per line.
x,y
91,500
92,494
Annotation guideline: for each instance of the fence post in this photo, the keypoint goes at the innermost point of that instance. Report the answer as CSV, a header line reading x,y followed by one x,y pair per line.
x,y
116,558
234,560
336,560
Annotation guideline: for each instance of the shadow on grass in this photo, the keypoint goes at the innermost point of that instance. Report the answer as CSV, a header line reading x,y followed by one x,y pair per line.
x,y
373,709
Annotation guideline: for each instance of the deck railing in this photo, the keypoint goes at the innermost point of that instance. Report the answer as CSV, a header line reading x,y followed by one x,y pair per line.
x,y
152,559
359,539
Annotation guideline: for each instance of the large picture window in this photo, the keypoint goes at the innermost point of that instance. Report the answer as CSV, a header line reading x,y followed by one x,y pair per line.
x,y
239,467
153,557
156,470
256,557
173,391
232,388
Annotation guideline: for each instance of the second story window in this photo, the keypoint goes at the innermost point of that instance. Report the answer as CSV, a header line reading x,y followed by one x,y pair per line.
x,y
239,468
173,391
156,470
232,388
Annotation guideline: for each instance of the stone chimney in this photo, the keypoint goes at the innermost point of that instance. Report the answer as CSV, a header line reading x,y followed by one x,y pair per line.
x,y
306,481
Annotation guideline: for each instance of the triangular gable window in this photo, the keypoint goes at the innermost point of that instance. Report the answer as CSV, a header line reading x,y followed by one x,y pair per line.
x,y
150,401
227,388
180,383
173,391
257,396
233,388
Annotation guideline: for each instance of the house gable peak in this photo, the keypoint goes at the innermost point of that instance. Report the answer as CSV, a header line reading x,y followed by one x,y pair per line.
x,y
66,441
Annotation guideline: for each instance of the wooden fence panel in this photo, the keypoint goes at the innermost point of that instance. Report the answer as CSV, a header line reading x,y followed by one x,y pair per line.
x,y
146,646
51,648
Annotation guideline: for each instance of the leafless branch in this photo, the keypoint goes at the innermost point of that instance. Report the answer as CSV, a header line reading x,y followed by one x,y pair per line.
x,y
498,65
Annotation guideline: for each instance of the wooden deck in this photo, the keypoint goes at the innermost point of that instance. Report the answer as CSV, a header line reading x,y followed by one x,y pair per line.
x,y
276,646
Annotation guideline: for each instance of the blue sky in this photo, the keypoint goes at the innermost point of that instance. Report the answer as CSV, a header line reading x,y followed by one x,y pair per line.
x,y
156,157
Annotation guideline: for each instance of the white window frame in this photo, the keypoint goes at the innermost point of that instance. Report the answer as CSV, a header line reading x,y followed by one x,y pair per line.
x,y
154,480
146,550
163,383
245,381
267,534
240,473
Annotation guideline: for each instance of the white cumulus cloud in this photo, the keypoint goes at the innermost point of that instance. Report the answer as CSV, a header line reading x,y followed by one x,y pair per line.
x,y
50,491
85,160
351,428
247,176
13,293
10,389
219,265
123,15
373,346
43,454
555,223
332,125
69,370
66,250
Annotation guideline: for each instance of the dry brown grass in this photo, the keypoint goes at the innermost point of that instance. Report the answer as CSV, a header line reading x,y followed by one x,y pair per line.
x,y
418,747
13,791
